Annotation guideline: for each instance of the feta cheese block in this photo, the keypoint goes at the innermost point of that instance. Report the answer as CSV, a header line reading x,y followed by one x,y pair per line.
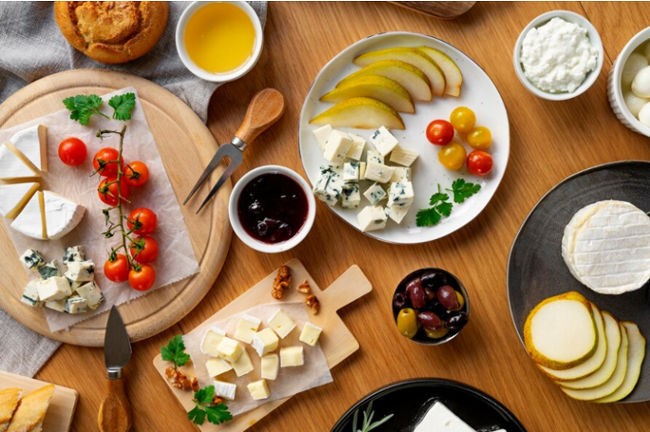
x,y
265,341
383,140
606,246
61,215
225,389
54,288
217,366
211,340
310,334
337,145
269,366
292,356
402,156
377,172
246,327
229,349
374,194
439,418
281,323
371,218
32,145
243,365
11,165
259,389
31,221
14,196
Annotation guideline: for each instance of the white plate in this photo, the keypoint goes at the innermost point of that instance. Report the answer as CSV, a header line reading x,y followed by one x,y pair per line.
x,y
478,93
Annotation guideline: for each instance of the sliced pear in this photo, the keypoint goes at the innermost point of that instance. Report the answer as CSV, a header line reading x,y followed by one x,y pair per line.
x,y
360,112
609,337
546,334
407,75
635,356
373,86
449,68
612,383
613,336
412,56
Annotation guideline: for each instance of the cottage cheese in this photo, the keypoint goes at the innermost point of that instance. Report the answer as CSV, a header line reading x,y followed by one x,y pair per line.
x,y
557,56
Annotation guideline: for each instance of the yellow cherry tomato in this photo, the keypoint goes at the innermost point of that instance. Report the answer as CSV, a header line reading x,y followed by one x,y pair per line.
x,y
407,323
463,119
452,156
479,138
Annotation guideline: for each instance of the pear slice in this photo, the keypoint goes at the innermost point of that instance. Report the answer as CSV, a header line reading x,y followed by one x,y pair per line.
x,y
613,341
373,86
412,56
612,383
635,356
360,112
609,337
449,68
546,334
408,76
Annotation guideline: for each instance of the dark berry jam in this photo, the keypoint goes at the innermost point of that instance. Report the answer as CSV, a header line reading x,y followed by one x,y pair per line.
x,y
272,207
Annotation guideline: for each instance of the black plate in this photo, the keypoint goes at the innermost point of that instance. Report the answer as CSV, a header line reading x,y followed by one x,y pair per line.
x,y
405,399
536,269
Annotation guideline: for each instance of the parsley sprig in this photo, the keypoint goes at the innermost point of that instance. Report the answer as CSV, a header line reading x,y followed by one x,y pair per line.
x,y
206,408
439,203
174,351
83,107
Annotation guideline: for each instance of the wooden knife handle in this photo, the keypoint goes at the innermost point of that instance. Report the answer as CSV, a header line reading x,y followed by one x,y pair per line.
x,y
266,107
115,410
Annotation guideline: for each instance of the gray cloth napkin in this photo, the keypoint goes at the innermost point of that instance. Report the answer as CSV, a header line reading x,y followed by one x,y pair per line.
x,y
32,47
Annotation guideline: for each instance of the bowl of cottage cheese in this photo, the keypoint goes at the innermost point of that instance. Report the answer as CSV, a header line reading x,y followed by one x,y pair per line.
x,y
558,55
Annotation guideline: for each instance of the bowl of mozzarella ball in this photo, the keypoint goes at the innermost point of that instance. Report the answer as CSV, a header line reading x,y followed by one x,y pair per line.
x,y
629,84
558,55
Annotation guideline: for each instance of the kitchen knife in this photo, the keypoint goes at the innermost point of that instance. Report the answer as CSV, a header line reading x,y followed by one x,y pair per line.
x,y
115,410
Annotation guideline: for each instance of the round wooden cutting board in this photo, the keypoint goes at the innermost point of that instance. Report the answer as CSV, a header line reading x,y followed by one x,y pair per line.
x,y
186,146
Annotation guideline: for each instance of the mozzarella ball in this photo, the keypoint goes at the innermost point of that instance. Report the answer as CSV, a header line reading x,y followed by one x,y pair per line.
x,y
633,65
633,102
644,114
641,83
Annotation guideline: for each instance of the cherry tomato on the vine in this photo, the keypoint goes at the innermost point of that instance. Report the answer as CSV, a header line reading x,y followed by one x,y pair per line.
x,y
116,268
440,132
463,119
136,173
480,138
452,156
109,192
72,151
142,221
144,249
142,277
479,162
105,161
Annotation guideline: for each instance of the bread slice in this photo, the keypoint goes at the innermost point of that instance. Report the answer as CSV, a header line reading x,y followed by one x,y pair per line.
x,y
31,411
9,398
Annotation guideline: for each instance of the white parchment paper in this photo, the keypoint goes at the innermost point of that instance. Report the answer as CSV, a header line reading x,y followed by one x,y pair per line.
x,y
176,260
315,372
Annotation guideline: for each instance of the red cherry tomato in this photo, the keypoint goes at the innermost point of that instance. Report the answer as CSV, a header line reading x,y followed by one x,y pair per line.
x,y
144,249
109,192
136,173
105,161
142,277
142,221
479,162
440,132
72,151
117,268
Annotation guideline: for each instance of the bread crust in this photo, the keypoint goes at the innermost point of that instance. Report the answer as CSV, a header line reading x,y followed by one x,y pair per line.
x,y
112,32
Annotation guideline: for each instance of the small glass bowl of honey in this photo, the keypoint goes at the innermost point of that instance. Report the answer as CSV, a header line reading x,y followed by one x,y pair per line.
x,y
219,41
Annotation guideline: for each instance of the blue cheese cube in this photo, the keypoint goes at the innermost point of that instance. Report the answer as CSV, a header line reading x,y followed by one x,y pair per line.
x,y
54,288
383,140
403,156
356,148
337,146
91,292
400,194
80,271
362,170
74,253
57,305
32,259
372,218
401,174
51,269
378,172
329,186
373,155
397,213
375,194
351,171
350,196
75,305
30,294
321,134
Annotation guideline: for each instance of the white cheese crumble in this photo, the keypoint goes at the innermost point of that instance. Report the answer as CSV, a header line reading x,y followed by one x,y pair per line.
x,y
558,56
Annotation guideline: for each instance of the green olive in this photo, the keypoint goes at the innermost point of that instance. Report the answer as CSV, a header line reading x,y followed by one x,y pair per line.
x,y
407,323
436,333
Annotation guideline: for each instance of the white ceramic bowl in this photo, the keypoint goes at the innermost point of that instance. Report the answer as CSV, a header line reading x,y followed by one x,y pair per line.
x,y
252,241
594,38
226,76
614,85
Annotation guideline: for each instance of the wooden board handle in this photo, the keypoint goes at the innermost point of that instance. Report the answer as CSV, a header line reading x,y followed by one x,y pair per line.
x,y
439,9
348,287
115,410
266,107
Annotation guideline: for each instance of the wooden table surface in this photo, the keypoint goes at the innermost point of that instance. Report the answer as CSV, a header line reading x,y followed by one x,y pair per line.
x,y
549,141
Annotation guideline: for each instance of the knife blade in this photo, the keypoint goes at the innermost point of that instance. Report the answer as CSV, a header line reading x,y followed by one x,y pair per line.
x,y
115,409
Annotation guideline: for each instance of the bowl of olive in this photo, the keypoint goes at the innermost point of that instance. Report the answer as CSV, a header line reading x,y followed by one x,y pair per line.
x,y
430,306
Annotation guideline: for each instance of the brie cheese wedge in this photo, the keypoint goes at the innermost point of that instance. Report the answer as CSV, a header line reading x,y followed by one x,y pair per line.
x,y
32,145
48,216
14,196
31,221
11,166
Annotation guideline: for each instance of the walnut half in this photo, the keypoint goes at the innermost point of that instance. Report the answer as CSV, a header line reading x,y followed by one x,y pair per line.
x,y
179,380
281,282
312,303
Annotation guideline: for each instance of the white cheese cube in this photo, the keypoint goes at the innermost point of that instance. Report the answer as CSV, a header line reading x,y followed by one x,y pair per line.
x,y
211,340
270,366
378,172
30,294
329,185
32,259
337,145
401,174
292,356
80,271
224,389
243,364
372,155
310,334
217,366
372,218
265,341
350,196
91,292
400,194
321,134
74,253
246,327
403,156
259,389
281,323
362,170
383,140
357,147
75,305
54,288
351,171
51,269
397,213
374,194
229,349
57,305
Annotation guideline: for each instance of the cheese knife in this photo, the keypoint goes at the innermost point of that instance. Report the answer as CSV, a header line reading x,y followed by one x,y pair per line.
x,y
115,409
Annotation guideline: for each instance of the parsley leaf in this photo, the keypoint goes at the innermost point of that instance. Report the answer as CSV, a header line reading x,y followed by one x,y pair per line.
x,y
206,408
174,351
463,190
439,202
123,105
82,107
218,413
438,196
427,217
197,415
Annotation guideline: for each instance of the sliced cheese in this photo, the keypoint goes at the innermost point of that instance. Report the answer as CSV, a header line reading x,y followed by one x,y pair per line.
x,y
9,398
31,411
32,145
14,196
439,418
61,215
31,221
11,166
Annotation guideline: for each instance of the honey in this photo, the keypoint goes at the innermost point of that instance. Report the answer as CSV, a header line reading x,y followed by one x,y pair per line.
x,y
219,37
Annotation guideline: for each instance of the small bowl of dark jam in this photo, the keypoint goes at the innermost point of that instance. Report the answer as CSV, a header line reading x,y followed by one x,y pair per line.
x,y
271,208
430,306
